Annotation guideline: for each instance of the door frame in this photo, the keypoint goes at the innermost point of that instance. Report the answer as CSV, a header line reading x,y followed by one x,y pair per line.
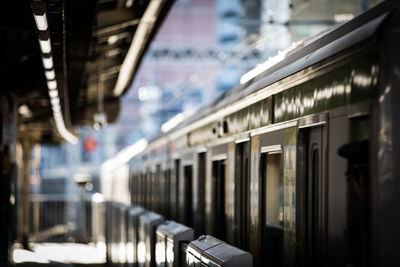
x,y
307,126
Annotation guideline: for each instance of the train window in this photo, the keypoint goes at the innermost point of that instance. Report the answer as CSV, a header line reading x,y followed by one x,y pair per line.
x,y
274,190
218,197
272,180
360,128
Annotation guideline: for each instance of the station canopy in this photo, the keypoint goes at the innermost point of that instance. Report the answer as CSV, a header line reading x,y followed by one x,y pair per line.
x,y
96,47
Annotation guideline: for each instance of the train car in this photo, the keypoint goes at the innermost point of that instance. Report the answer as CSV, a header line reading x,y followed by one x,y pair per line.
x,y
297,165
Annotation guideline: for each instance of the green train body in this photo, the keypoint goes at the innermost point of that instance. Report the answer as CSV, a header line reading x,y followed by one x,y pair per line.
x,y
260,167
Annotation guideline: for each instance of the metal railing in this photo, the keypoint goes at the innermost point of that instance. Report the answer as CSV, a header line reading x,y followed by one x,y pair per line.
x,y
54,217
67,218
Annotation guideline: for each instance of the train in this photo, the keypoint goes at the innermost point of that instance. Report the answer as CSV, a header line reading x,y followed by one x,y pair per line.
x,y
296,165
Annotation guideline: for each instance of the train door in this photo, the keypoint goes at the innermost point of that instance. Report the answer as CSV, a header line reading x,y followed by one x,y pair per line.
x,y
146,191
358,225
142,188
167,192
147,195
272,205
273,197
216,171
242,188
153,189
132,186
158,185
313,193
314,182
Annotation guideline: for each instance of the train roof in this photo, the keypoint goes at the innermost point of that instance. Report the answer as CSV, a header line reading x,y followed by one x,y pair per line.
x,y
308,53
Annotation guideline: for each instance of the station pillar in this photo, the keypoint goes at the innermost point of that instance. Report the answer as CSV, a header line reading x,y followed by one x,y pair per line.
x,y
7,176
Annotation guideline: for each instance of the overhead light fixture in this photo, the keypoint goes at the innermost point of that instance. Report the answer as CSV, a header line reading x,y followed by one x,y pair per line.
x,y
52,85
129,3
113,52
25,111
55,102
112,39
45,46
57,109
50,74
57,114
41,22
47,62
39,14
53,93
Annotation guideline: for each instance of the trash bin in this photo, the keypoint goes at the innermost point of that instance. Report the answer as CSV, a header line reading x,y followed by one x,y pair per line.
x,y
122,235
148,223
210,251
169,236
133,214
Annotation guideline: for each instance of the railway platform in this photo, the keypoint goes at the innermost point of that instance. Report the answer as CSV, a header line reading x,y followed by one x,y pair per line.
x,y
58,255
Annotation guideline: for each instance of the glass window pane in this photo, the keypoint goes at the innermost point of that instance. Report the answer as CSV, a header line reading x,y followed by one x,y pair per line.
x,y
274,190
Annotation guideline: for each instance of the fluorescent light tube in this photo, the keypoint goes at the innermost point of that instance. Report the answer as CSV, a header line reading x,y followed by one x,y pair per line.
x,y
41,22
47,62
52,85
50,74
55,102
53,93
45,46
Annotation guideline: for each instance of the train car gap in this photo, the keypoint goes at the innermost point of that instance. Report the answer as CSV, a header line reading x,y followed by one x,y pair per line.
x,y
199,204
188,194
242,201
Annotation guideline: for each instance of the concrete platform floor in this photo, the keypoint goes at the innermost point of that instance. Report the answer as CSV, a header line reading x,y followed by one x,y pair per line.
x,y
59,254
